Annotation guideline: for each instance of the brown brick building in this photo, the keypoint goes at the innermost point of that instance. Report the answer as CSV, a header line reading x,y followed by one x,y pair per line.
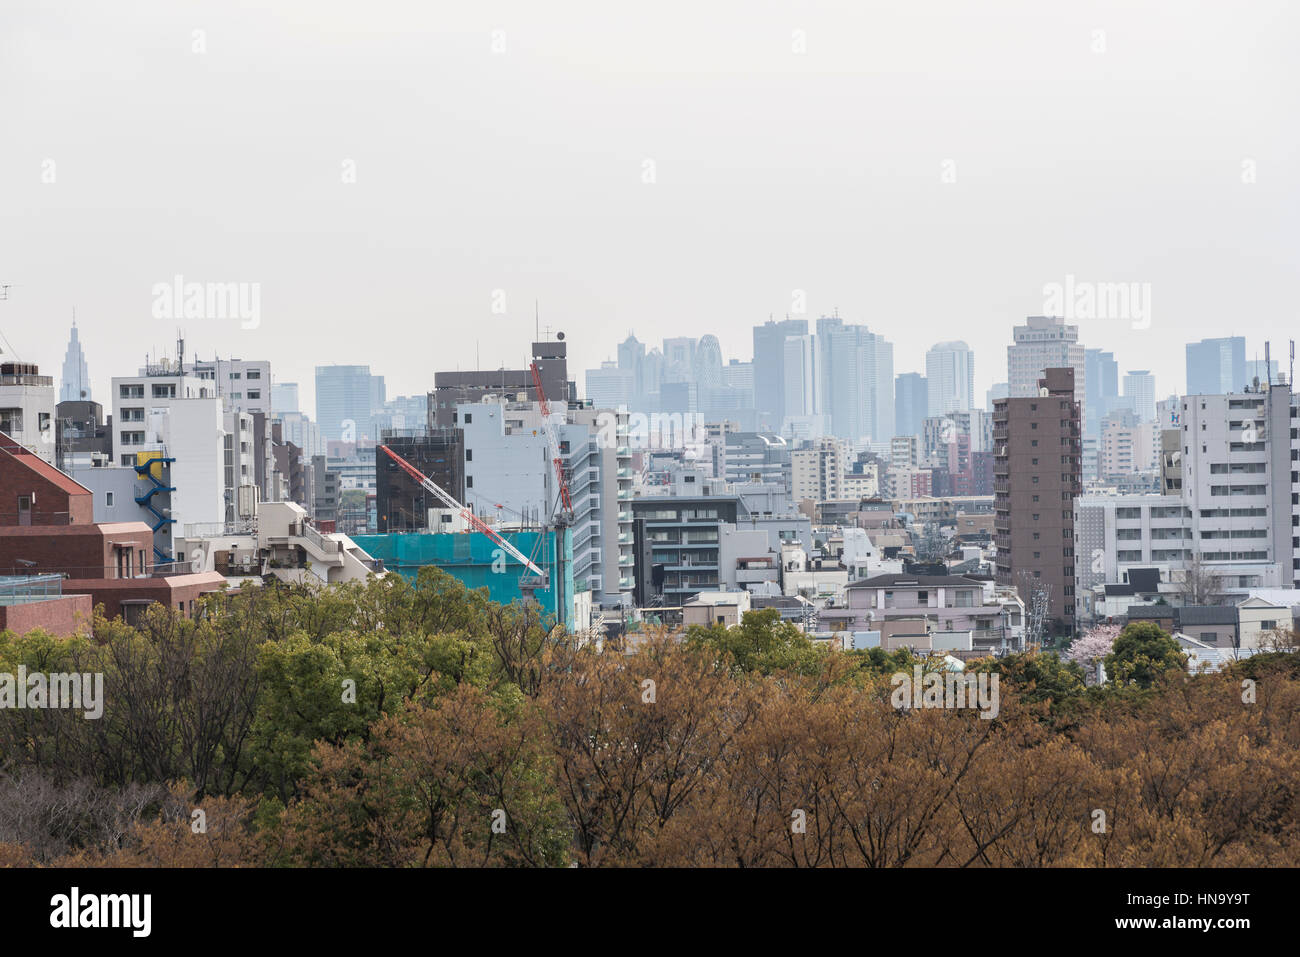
x,y
1037,474
47,527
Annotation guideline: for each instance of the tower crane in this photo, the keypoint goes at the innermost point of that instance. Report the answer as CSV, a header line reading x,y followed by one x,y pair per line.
x,y
474,522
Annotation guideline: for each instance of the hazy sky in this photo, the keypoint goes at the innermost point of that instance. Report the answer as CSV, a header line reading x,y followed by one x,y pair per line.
x,y
925,168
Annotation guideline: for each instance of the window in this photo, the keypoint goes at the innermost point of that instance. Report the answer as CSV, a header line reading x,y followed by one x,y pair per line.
x,y
254,393
108,499
254,373
469,481
11,420
469,417
469,455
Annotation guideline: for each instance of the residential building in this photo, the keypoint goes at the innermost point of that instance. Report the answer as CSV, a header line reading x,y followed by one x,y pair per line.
x,y
1037,476
27,408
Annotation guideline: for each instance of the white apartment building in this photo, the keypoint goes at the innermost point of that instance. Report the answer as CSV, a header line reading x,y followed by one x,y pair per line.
x,y
816,473
244,384
510,475
1237,511
27,408
1127,445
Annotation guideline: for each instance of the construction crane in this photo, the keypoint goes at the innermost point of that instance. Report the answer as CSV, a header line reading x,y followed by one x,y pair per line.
x,y
474,522
553,442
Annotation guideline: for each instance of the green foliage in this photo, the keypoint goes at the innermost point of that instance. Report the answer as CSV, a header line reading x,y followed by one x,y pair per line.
x,y
761,643
1142,653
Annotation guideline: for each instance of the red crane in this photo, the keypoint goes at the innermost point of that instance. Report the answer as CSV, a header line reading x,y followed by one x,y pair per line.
x,y
551,439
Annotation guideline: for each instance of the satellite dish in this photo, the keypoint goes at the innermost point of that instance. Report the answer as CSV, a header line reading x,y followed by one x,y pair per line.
x,y
559,336
1043,392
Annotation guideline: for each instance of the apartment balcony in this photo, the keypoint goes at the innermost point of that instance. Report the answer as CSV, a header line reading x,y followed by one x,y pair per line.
x,y
625,583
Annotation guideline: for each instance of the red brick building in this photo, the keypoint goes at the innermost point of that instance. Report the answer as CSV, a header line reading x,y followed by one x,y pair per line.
x,y
47,527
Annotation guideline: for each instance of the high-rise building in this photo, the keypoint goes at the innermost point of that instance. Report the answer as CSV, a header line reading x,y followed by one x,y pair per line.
x,y
610,387
284,397
769,369
1140,394
859,372
950,378
1101,373
75,385
1216,366
345,401
1225,521
1046,342
999,390
631,359
801,376
911,403
1037,474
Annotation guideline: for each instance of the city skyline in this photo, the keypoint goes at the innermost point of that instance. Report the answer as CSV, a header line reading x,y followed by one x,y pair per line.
x,y
440,227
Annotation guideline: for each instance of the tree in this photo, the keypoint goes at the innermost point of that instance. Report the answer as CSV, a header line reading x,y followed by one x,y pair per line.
x,y
1200,584
1092,646
1142,653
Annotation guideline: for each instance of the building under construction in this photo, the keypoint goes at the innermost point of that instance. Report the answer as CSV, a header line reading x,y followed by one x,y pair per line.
x,y
402,505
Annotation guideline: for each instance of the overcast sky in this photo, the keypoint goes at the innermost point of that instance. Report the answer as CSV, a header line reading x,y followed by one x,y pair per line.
x,y
673,168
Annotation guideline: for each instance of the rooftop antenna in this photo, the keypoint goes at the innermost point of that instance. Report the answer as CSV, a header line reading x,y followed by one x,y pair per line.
x,y
536,321
1268,371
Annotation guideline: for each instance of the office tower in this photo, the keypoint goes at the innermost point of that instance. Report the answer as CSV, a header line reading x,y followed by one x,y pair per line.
x,y
800,377
769,369
911,403
1045,342
738,375
859,394
75,385
1216,366
1037,475
1265,372
610,387
284,397
679,359
1140,394
999,390
631,359
950,378
345,400
1101,373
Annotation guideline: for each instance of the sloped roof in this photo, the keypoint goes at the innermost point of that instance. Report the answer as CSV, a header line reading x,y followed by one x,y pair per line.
x,y
24,456
918,581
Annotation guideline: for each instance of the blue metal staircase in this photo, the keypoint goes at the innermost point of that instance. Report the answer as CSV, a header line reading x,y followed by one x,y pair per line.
x,y
145,470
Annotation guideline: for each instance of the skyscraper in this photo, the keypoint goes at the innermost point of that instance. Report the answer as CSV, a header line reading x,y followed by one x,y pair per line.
x,y
1140,394
1046,342
1216,366
75,385
859,374
345,400
769,365
950,378
911,404
1101,372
